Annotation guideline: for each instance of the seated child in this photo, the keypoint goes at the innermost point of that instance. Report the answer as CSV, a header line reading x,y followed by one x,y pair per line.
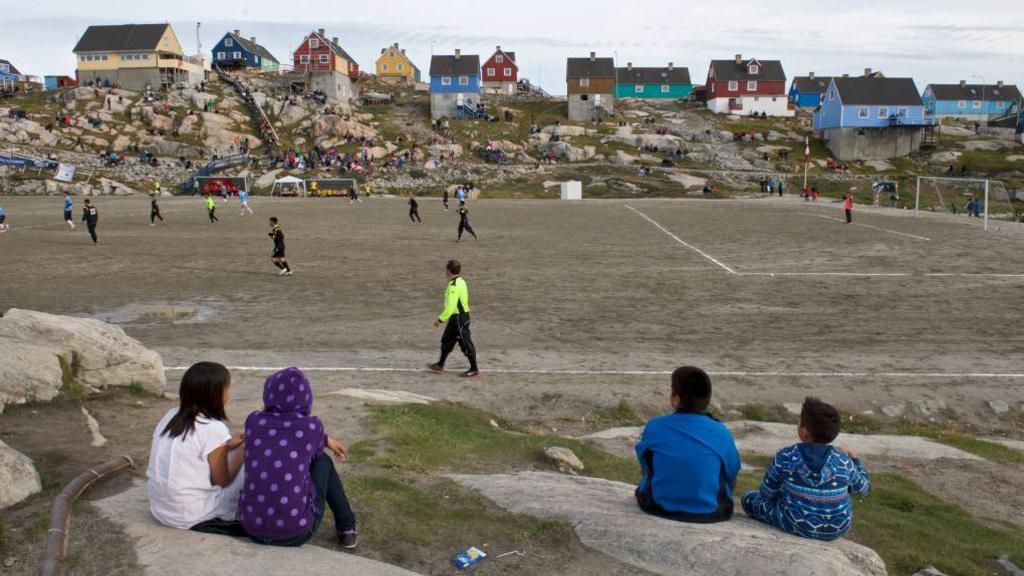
x,y
806,489
194,460
289,478
689,459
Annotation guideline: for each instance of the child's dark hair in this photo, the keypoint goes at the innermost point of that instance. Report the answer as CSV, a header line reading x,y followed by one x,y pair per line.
x,y
820,420
273,219
202,394
693,388
454,267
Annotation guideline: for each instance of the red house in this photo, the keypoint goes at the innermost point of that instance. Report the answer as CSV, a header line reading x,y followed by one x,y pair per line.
x,y
747,86
500,72
317,53
331,69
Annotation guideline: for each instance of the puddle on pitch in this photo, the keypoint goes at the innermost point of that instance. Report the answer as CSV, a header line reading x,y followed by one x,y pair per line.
x,y
141,313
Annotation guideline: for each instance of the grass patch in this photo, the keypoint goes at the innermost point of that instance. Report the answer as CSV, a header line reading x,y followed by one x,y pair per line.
x,y
69,384
453,437
912,528
952,433
440,517
766,413
621,414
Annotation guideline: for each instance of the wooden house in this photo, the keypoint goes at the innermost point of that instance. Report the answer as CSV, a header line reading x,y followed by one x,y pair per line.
x,y
590,87
500,72
235,51
330,69
134,56
745,87
869,118
455,86
668,82
971,101
393,65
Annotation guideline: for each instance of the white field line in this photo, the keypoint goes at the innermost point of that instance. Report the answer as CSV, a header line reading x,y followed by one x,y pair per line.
x,y
914,236
735,373
677,239
884,274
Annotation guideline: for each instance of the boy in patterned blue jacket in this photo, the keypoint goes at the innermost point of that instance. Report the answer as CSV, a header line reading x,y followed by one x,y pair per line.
x,y
806,489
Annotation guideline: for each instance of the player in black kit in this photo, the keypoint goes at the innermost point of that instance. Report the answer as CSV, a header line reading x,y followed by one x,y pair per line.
x,y
414,210
90,216
277,256
464,222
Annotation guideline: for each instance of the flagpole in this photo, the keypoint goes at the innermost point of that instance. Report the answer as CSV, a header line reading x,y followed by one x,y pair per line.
x,y
807,157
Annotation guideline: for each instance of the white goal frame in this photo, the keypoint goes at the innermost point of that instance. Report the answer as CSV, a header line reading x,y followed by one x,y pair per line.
x,y
917,193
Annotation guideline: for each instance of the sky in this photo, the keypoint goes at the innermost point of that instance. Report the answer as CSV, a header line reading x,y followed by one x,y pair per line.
x,y
933,41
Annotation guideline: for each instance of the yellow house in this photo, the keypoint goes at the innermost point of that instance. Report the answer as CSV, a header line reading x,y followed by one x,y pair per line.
x,y
393,65
135,57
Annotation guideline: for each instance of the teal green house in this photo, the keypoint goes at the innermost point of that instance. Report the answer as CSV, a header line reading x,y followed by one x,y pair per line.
x,y
667,82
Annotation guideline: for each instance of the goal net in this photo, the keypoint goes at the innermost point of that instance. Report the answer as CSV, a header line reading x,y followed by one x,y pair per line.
x,y
972,197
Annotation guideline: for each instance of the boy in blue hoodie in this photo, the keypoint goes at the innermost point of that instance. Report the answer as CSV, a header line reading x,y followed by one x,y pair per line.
x,y
689,459
806,489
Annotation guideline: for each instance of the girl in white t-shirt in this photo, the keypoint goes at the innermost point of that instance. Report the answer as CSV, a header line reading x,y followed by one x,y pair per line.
x,y
194,460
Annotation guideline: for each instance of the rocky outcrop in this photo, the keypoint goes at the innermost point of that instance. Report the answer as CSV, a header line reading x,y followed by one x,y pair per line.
x,y
605,516
29,371
102,355
18,477
168,552
333,126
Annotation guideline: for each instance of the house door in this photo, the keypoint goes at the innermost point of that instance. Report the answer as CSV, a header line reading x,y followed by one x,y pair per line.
x,y
460,99
597,100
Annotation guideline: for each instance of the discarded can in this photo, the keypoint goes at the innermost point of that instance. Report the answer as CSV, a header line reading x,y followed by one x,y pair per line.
x,y
469,557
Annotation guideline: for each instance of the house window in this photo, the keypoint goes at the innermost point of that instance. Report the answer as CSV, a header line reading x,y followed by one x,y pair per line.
x,y
490,71
324,59
883,112
399,67
961,104
391,54
383,67
751,85
863,113
1000,105
754,69
584,97
256,59
103,57
238,55
508,71
314,42
463,80
902,112
639,89
977,104
584,82
733,85
446,80
499,59
831,95
304,58
229,42
664,88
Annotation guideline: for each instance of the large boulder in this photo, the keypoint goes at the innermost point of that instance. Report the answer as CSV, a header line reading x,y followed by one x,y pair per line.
x,y
18,477
102,354
605,516
562,131
337,127
29,371
165,551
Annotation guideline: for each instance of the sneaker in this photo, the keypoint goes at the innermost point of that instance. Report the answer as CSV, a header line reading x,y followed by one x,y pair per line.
x,y
436,368
348,539
282,272
471,373
289,273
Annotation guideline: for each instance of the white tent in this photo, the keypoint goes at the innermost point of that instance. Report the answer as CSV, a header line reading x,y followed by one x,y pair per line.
x,y
292,187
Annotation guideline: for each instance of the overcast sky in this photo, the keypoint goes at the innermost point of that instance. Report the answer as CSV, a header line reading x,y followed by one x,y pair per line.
x,y
931,41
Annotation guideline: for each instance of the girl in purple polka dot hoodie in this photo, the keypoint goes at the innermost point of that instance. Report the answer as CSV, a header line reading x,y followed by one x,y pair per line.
x,y
289,479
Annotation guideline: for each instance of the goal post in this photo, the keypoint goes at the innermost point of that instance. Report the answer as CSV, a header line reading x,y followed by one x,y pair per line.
x,y
982,197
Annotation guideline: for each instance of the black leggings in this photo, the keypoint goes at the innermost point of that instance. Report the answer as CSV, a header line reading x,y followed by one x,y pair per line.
x,y
153,215
213,218
92,231
457,331
464,225
414,214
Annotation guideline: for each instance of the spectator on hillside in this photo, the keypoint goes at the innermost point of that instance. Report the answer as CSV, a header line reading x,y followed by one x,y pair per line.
x,y
806,489
688,458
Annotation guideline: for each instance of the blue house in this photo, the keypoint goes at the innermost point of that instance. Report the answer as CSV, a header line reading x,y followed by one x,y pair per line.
x,y
455,86
868,118
806,91
234,51
975,101
9,75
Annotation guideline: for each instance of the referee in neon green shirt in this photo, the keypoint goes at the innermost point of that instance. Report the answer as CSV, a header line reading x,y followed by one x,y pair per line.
x,y
456,314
